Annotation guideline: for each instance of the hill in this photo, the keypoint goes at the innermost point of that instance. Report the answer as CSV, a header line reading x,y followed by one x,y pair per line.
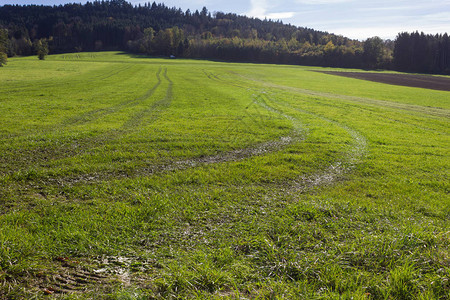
x,y
155,29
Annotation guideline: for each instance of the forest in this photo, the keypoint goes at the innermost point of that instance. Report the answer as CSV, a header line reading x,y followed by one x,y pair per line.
x,y
157,30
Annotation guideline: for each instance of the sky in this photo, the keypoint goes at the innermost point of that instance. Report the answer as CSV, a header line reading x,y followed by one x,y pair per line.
x,y
357,19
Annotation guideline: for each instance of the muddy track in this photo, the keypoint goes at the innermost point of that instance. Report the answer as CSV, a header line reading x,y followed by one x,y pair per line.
x,y
72,277
331,173
231,156
340,167
297,135
430,111
74,281
69,277
260,98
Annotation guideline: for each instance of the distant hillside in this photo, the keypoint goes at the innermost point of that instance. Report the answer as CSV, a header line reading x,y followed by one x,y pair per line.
x,y
156,29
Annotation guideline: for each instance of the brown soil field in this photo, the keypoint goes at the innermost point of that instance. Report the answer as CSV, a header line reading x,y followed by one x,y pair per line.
x,y
420,81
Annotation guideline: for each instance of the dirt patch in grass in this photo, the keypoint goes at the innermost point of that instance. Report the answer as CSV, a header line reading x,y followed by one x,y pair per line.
x,y
420,81
96,275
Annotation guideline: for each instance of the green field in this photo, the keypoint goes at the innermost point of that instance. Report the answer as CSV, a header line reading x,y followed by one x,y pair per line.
x,y
125,177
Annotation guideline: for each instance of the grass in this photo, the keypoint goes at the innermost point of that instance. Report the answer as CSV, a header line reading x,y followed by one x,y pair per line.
x,y
125,177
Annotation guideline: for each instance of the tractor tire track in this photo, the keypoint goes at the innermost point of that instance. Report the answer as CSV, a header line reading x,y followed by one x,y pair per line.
x,y
27,158
69,278
264,148
334,171
234,125
73,277
98,113
260,98
326,176
155,109
340,167
429,111
231,156
88,116
36,86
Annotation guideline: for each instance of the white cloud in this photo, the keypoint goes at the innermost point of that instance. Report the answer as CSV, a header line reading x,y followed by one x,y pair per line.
x,y
281,15
384,32
260,9
321,2
362,33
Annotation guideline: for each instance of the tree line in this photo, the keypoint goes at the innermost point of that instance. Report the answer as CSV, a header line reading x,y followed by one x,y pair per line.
x,y
417,52
155,29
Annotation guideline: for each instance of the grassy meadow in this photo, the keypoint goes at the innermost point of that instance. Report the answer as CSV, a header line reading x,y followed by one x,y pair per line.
x,y
127,177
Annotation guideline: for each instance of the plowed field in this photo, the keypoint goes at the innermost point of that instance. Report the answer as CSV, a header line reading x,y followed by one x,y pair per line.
x,y
420,81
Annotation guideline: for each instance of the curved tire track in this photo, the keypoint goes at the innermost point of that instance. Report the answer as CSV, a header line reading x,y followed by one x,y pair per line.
x,y
38,86
89,116
331,173
429,111
155,108
98,113
297,135
24,159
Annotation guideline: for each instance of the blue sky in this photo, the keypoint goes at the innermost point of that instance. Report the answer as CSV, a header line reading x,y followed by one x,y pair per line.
x,y
352,18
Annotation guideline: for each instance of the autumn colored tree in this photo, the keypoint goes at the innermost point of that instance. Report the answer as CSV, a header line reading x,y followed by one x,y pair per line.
x,y
145,44
41,47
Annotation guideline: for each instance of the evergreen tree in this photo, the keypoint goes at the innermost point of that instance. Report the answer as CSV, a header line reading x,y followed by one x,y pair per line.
x,y
417,52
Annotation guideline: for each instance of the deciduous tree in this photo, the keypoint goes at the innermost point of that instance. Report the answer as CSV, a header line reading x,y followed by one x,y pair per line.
x,y
373,52
3,42
41,47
